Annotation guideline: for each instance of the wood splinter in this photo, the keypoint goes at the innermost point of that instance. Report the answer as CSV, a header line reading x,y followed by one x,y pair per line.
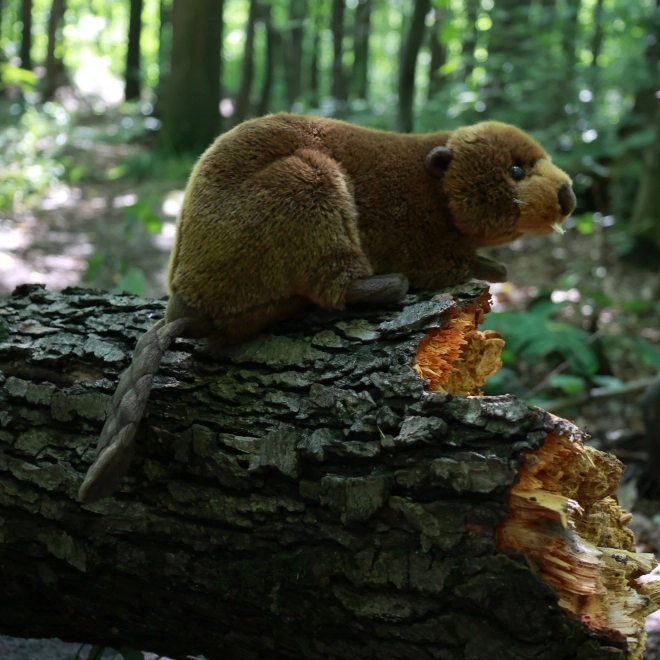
x,y
565,518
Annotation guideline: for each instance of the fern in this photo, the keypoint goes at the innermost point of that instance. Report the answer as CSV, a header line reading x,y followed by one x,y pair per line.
x,y
534,335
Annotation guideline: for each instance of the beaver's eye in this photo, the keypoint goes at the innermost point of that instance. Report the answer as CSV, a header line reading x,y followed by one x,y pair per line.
x,y
517,173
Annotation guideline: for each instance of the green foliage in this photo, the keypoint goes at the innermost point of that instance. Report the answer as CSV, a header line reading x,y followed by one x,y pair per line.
x,y
536,334
143,214
132,281
4,332
30,146
636,348
568,383
13,76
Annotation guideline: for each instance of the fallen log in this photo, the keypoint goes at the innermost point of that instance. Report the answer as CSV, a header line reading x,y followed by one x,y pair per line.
x,y
335,489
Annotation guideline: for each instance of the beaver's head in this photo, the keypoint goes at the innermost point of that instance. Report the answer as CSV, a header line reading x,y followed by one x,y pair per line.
x,y
500,184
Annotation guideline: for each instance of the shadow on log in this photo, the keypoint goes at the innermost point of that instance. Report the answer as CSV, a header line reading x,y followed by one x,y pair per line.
x,y
325,491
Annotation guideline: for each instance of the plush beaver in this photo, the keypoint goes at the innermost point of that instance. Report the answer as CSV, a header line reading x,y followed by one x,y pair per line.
x,y
286,210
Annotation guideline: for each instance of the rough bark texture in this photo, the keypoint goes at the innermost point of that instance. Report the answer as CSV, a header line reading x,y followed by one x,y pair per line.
x,y
298,496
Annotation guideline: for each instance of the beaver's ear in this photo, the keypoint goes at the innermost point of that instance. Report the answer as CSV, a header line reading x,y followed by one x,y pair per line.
x,y
438,159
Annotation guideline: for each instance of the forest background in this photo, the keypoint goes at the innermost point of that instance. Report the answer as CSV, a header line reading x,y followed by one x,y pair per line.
x,y
105,106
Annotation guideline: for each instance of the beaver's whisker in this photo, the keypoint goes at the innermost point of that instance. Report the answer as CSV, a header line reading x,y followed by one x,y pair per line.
x,y
519,201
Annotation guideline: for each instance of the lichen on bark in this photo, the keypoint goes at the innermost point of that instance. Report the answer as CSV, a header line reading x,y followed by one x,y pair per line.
x,y
302,495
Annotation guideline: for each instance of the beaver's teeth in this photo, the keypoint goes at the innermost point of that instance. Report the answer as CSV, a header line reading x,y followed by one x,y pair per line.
x,y
558,228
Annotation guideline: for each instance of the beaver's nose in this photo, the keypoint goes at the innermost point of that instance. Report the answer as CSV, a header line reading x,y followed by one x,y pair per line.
x,y
567,199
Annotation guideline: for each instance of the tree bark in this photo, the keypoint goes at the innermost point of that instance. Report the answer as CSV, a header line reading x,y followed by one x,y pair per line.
x,y
133,82
314,87
569,32
472,8
242,107
438,53
54,66
305,495
293,50
597,39
269,59
164,54
644,223
408,66
191,117
26,35
362,30
339,91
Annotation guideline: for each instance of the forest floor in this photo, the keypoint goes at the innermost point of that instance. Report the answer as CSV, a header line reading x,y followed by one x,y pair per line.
x,y
82,235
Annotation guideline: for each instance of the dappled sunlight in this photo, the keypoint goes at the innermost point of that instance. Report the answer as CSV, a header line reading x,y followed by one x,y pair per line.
x,y
122,201
94,78
59,197
165,239
172,205
21,260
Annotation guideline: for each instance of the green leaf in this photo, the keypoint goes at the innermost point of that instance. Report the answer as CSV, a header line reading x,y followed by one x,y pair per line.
x,y
568,384
585,223
610,382
144,214
12,75
637,306
646,353
93,269
133,281
533,335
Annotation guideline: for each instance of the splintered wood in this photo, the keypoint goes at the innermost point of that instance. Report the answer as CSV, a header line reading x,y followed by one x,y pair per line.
x,y
458,358
574,535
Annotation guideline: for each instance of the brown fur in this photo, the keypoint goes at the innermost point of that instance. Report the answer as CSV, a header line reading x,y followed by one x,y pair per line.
x,y
286,209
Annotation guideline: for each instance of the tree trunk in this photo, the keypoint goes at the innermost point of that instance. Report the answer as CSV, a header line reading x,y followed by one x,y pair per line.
x,y
597,39
472,8
314,87
644,223
133,83
438,54
339,92
408,65
362,30
293,50
307,494
26,36
191,117
54,66
505,49
269,58
164,54
569,34
242,107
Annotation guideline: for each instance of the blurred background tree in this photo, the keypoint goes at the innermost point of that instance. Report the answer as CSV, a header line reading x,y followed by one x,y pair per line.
x,y
105,106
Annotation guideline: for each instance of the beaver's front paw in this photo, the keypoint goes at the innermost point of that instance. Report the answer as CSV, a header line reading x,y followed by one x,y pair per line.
x,y
488,270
